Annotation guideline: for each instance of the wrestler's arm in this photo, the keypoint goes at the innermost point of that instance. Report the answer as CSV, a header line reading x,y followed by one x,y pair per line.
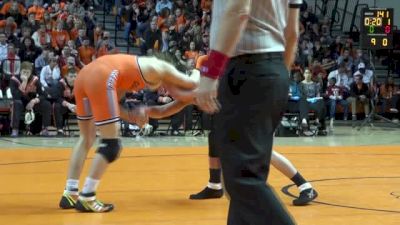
x,y
162,111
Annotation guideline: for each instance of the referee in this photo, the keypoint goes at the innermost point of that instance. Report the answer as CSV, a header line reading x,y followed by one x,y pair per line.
x,y
245,80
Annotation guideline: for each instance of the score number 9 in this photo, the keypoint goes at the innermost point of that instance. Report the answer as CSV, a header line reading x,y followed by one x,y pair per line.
x,y
384,42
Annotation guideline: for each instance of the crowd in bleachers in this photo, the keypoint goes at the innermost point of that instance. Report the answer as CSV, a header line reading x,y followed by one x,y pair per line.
x,y
43,45
59,37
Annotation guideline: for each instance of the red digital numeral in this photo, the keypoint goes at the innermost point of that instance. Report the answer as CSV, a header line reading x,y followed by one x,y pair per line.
x,y
387,29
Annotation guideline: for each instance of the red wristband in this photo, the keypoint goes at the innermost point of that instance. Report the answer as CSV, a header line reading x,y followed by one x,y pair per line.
x,y
214,67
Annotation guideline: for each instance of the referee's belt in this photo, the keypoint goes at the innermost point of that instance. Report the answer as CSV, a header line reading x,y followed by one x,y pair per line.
x,y
259,56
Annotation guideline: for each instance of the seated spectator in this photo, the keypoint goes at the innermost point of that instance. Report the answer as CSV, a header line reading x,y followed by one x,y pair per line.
x,y
29,52
181,21
162,4
76,8
366,74
206,5
70,68
342,77
150,37
80,38
42,60
192,53
11,66
359,57
105,46
294,92
24,89
13,9
50,74
3,46
86,52
8,25
310,99
336,95
359,94
389,94
41,37
346,57
66,101
37,10
59,37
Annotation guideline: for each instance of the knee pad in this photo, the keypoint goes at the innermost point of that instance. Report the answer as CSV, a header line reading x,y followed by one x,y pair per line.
x,y
110,149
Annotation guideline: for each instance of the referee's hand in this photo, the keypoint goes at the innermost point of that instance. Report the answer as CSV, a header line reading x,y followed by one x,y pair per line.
x,y
206,95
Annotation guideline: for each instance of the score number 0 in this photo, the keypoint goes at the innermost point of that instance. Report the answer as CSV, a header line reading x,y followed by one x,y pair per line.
x,y
384,41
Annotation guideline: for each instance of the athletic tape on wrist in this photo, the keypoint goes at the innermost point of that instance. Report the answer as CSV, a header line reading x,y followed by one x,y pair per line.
x,y
215,65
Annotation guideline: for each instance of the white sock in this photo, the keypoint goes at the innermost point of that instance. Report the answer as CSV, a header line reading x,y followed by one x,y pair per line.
x,y
90,185
214,186
304,186
72,184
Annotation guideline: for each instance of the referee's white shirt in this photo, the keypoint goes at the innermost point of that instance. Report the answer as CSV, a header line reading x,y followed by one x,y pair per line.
x,y
265,29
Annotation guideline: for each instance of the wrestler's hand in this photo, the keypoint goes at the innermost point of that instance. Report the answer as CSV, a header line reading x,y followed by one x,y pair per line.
x,y
206,95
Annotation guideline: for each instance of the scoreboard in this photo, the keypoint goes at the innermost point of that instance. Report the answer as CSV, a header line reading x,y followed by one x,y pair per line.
x,y
376,28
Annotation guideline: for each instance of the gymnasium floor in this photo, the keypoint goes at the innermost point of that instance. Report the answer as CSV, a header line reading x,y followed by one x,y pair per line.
x,y
357,174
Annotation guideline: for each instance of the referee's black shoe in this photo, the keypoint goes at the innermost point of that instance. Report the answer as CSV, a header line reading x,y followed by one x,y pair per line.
x,y
305,197
207,193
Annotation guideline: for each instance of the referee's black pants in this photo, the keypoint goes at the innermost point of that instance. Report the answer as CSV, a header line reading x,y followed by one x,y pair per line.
x,y
253,93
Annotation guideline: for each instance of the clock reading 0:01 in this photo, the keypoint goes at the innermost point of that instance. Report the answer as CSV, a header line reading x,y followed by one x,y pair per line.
x,y
384,42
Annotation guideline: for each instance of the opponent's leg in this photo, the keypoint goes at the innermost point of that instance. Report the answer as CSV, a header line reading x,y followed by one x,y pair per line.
x,y
79,153
307,192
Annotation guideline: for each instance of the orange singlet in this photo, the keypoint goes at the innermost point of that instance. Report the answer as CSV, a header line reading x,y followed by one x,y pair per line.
x,y
98,83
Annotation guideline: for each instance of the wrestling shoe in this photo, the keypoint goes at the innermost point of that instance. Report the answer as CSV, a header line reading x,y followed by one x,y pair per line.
x,y
305,197
89,203
68,199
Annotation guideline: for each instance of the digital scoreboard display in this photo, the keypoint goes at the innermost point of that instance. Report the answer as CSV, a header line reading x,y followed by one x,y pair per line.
x,y
377,28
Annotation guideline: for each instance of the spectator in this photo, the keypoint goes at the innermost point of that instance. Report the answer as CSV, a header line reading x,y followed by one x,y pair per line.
x,y
310,99
359,94
389,94
106,47
90,24
42,60
192,53
206,5
41,37
360,57
13,9
50,74
66,101
37,10
341,76
346,57
24,89
3,47
11,66
294,92
336,95
162,4
86,52
366,74
29,52
70,68
76,8
59,37
8,25
150,37
81,36
336,48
